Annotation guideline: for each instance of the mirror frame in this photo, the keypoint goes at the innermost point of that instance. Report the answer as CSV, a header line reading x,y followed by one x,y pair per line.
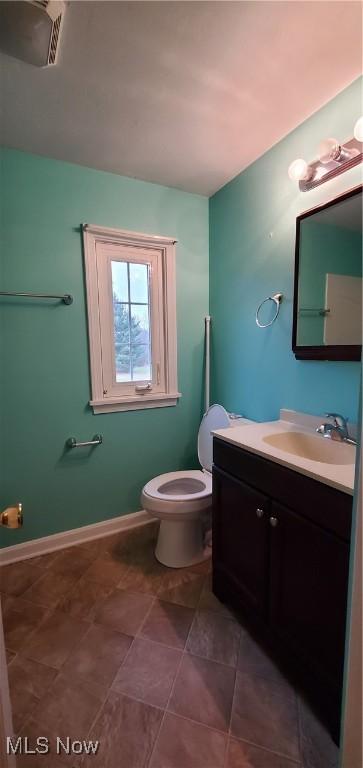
x,y
328,352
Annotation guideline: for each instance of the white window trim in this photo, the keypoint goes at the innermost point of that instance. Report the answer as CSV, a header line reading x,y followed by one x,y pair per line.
x,y
101,404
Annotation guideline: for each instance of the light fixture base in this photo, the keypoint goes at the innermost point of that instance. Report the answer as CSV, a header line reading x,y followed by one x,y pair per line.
x,y
324,172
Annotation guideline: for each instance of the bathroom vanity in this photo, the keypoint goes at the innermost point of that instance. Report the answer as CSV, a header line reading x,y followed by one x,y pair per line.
x,y
281,553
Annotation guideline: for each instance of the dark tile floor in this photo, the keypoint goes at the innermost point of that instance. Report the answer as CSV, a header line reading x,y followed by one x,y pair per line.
x,y
105,643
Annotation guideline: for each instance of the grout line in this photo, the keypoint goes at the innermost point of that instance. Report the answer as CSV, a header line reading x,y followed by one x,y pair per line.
x,y
270,751
195,722
233,700
42,621
154,598
170,694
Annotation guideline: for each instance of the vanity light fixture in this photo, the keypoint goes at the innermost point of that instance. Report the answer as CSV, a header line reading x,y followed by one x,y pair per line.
x,y
333,159
330,149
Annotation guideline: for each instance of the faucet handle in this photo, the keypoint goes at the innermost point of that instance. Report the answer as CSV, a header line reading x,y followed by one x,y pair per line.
x,y
339,420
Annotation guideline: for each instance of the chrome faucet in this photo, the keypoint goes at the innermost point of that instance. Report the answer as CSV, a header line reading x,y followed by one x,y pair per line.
x,y
336,431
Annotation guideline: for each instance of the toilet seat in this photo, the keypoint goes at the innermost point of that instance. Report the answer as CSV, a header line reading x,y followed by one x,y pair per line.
x,y
182,506
170,486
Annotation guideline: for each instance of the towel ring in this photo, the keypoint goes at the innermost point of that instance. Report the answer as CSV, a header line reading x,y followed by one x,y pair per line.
x,y
277,298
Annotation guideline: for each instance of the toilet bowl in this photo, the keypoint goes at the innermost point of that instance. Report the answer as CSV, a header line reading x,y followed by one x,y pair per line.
x,y
180,499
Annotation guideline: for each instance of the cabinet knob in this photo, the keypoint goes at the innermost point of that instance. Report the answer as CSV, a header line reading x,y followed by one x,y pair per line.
x,y
273,521
259,512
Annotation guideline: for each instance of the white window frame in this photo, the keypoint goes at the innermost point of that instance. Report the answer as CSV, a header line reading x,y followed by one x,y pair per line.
x,y
100,247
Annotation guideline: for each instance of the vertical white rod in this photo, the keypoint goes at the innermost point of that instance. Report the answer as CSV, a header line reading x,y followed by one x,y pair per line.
x,y
207,361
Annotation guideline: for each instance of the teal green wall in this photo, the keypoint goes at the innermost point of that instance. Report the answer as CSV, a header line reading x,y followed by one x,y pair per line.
x,y
44,380
44,374
324,248
252,238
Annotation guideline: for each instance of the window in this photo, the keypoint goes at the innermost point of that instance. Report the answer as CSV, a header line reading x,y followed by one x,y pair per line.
x,y
131,319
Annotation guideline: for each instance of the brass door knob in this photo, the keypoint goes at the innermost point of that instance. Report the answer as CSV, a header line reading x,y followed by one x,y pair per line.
x,y
12,517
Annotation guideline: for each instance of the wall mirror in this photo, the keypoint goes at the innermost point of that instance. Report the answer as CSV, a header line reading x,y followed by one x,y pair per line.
x,y
327,322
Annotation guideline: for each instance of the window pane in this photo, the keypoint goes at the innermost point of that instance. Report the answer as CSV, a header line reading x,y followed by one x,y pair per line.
x,y
119,280
141,367
121,330
139,288
140,343
123,363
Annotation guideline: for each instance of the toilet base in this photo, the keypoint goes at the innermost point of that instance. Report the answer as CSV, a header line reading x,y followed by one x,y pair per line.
x,y
180,543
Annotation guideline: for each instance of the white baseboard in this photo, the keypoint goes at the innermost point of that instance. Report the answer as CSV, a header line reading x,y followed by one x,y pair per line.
x,y
70,538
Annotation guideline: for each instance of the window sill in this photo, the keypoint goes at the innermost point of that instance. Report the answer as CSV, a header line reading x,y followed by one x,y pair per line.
x,y
134,403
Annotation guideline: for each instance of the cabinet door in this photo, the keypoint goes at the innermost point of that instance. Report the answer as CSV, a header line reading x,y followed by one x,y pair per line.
x,y
308,591
240,539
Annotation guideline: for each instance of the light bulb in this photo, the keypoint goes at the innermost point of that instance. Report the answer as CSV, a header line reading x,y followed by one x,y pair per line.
x,y
358,130
299,170
329,149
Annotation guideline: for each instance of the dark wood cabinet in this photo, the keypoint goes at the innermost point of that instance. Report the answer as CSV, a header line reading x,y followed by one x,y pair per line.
x,y
241,538
308,592
281,559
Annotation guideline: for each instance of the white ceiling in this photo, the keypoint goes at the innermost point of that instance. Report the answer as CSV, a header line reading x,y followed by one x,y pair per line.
x,y
185,94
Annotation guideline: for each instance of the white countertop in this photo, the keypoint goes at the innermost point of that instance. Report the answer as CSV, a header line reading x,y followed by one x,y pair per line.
x,y
250,437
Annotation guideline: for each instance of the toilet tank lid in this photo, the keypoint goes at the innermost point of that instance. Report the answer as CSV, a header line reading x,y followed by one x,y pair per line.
x,y
216,417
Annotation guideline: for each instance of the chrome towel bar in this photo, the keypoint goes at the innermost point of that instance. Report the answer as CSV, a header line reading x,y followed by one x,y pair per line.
x,y
65,297
72,442
315,310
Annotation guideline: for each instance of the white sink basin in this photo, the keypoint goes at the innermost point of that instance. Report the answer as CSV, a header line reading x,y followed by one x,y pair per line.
x,y
312,447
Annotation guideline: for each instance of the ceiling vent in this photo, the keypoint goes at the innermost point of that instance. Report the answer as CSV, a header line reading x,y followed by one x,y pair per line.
x,y
30,30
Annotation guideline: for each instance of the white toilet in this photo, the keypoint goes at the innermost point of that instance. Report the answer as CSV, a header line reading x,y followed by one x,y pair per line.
x,y
178,499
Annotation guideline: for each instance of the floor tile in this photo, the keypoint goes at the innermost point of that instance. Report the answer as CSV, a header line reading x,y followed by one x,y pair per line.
x,y
69,706
203,691
124,611
94,546
148,672
61,665
134,546
183,744
55,639
243,755
127,730
45,561
28,681
254,660
205,566
143,577
20,619
263,716
214,637
181,587
168,623
50,588
98,655
32,729
317,747
209,602
16,578
72,561
83,599
106,571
